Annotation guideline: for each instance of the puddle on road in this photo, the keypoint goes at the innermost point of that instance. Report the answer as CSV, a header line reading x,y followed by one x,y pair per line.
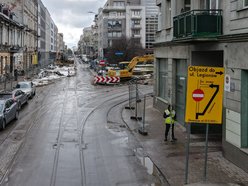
x,y
143,159
151,168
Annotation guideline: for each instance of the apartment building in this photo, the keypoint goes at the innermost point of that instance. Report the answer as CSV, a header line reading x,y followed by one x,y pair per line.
x,y
11,41
206,33
23,13
120,19
42,33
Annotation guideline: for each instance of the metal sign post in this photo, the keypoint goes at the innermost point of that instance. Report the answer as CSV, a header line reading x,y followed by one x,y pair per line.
x,y
206,154
187,154
203,103
137,101
142,129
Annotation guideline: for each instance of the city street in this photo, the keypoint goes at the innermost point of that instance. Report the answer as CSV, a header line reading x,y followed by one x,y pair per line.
x,y
72,133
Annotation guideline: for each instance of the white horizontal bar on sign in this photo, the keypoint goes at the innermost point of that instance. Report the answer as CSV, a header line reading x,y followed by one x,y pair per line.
x,y
198,95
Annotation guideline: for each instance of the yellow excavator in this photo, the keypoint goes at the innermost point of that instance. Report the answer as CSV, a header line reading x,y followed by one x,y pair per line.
x,y
127,73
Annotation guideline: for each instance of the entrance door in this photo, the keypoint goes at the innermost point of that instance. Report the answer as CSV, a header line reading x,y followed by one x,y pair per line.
x,y
244,107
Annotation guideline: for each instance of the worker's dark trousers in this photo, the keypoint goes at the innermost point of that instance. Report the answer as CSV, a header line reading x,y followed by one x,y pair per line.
x,y
167,129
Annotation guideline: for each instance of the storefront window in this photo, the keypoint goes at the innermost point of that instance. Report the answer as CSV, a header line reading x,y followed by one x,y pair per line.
x,y
163,78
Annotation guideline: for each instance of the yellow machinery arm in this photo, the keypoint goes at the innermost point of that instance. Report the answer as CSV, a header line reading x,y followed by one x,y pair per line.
x,y
137,59
128,72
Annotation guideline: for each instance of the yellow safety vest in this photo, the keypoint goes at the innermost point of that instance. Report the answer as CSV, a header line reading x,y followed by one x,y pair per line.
x,y
170,118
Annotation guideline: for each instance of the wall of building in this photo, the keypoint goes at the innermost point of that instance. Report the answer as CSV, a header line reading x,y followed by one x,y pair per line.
x,y
230,52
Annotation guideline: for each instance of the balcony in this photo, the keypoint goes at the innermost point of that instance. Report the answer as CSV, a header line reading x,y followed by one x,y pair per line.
x,y
107,9
136,36
197,24
136,26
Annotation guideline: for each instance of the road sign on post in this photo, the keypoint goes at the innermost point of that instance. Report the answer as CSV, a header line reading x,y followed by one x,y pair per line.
x,y
119,53
204,95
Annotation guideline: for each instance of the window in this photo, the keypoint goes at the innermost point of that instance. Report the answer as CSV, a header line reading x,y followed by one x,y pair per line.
x,y
1,34
214,4
159,17
120,13
136,12
168,14
162,78
135,22
136,32
187,5
114,34
245,3
114,24
118,3
109,43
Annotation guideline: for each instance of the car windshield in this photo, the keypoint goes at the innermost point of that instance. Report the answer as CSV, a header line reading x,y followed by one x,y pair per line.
x,y
22,85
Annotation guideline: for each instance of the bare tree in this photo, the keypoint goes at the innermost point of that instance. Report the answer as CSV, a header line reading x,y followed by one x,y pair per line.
x,y
124,49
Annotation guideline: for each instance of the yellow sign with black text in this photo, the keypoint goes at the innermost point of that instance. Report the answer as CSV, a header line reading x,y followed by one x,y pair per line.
x,y
204,95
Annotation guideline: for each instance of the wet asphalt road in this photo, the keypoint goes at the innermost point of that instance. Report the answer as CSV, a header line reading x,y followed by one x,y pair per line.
x,y
72,133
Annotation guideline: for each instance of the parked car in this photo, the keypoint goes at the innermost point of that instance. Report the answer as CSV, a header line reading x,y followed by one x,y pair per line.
x,y
18,95
8,111
28,87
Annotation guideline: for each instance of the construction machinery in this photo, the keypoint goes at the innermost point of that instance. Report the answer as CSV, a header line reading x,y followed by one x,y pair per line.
x,y
127,72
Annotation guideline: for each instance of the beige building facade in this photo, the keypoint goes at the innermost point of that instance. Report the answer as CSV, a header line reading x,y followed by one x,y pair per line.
x,y
22,53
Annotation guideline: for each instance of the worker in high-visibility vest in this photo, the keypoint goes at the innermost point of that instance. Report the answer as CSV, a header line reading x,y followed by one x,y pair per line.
x,y
170,116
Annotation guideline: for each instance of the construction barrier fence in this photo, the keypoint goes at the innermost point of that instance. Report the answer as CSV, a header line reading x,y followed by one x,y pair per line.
x,y
137,103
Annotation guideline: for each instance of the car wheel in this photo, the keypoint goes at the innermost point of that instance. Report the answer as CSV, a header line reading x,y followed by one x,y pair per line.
x,y
4,124
16,115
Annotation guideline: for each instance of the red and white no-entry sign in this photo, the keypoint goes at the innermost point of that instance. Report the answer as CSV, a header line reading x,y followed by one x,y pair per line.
x,y
198,95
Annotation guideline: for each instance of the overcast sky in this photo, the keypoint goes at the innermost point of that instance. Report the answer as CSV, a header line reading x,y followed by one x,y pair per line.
x,y
71,16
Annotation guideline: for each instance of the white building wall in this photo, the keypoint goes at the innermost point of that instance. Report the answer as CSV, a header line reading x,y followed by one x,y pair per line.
x,y
233,127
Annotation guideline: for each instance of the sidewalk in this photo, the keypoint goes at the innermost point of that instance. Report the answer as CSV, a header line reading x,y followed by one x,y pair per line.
x,y
169,157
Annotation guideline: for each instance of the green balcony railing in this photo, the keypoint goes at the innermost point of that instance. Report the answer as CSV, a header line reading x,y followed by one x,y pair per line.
x,y
198,24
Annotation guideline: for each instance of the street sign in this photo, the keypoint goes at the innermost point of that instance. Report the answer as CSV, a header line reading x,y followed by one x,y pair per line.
x,y
198,95
204,95
102,62
119,53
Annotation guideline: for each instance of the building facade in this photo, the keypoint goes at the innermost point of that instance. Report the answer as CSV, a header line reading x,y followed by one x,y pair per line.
x,y
41,33
151,23
25,36
120,19
61,46
11,42
25,14
206,33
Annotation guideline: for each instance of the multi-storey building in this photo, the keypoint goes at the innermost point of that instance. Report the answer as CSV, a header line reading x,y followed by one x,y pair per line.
x,y
42,33
206,33
25,14
53,41
120,19
48,37
151,23
25,31
87,41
